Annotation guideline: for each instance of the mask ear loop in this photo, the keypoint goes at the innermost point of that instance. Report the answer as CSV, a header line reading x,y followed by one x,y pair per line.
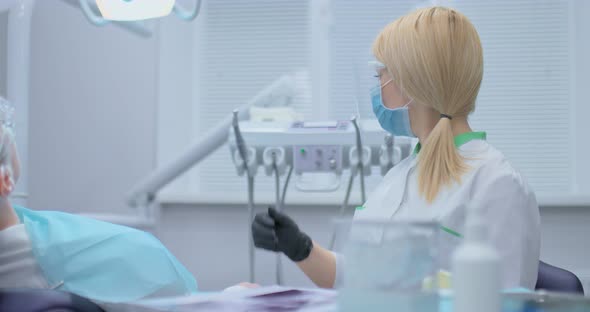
x,y
390,80
385,84
380,66
409,102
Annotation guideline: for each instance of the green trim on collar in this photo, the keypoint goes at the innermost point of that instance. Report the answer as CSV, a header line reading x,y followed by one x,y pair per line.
x,y
460,139
450,231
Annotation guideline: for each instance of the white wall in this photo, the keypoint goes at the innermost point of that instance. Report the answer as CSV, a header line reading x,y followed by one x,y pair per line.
x,y
3,37
582,91
93,108
92,135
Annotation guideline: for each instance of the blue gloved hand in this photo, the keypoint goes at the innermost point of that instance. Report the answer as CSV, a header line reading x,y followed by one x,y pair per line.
x,y
275,231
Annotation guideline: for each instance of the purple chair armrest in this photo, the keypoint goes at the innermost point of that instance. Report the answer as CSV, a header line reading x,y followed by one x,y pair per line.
x,y
40,300
559,280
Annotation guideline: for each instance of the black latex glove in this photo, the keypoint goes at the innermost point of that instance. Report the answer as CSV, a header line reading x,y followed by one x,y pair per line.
x,y
275,231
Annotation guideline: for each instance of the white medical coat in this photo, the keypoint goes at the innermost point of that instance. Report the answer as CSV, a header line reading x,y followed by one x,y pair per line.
x,y
491,184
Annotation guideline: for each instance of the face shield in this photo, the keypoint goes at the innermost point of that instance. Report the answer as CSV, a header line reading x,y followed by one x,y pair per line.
x,y
378,126
366,78
367,85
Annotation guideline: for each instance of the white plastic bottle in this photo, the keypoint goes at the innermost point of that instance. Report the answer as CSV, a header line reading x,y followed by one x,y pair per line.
x,y
476,270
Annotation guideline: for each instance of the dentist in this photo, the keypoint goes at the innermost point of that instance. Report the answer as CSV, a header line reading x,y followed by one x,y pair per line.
x,y
431,72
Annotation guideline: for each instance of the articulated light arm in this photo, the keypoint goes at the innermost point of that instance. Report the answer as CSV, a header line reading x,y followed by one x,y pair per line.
x,y
145,191
185,14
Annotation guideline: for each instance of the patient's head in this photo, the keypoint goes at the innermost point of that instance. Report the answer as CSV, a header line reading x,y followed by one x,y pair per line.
x,y
9,162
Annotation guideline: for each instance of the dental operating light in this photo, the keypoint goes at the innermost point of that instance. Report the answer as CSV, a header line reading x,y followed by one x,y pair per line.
x,y
134,10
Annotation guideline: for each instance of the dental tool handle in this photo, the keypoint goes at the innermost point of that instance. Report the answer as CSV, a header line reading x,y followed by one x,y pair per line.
x,y
389,149
251,257
389,144
359,148
282,201
275,169
242,150
286,186
240,144
279,207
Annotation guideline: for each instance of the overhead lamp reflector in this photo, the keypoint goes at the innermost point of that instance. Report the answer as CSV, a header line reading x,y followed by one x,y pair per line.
x,y
134,10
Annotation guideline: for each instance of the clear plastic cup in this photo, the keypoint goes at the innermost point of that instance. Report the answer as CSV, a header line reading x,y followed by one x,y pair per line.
x,y
388,266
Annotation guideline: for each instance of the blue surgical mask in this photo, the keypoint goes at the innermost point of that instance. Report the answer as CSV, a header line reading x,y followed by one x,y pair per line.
x,y
395,121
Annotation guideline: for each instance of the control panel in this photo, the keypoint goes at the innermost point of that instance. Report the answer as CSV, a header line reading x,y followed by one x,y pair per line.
x,y
318,151
317,158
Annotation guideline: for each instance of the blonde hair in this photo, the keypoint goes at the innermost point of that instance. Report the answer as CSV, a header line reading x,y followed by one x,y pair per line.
x,y
435,57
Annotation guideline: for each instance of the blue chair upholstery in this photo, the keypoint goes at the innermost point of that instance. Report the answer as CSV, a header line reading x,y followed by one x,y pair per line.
x,y
559,280
40,300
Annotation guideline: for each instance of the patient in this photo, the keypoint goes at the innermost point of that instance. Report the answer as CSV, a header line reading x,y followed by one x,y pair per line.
x,y
104,262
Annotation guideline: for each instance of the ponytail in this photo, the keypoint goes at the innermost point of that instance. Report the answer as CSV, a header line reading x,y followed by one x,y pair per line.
x,y
436,57
439,162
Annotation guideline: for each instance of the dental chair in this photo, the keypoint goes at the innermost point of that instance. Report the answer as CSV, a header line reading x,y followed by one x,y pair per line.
x,y
41,300
552,278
